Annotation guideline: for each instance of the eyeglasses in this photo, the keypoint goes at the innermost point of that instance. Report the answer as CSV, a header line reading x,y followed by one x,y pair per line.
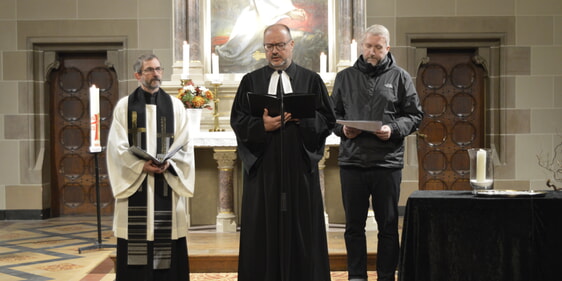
x,y
280,46
151,69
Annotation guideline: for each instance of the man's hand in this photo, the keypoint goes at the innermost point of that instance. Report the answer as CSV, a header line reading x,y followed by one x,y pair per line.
x,y
151,168
384,132
273,123
350,132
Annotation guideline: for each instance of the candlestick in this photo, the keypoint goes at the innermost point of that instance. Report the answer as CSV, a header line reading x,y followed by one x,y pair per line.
x,y
95,143
323,60
216,113
185,68
353,50
481,166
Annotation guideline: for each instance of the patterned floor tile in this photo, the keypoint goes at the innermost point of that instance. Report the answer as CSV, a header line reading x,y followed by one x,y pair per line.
x,y
55,249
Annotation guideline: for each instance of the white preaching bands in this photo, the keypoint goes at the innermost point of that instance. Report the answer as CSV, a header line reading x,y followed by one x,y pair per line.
x,y
275,79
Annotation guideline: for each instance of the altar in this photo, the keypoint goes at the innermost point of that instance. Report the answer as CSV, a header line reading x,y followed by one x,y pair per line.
x,y
226,187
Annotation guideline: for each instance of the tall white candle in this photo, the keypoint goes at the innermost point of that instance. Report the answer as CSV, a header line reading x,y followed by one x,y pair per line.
x,y
95,142
353,50
323,63
215,64
185,68
481,166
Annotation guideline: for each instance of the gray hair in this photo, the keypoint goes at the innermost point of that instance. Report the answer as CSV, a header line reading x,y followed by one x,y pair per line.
x,y
137,67
377,30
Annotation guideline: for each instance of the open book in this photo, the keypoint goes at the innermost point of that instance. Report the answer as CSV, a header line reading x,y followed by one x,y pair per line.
x,y
299,105
159,160
364,125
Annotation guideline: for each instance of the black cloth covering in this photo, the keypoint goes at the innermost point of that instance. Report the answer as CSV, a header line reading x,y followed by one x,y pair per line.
x,y
453,235
276,245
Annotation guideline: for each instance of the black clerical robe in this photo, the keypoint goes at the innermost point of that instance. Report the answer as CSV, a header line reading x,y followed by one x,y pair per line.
x,y
289,244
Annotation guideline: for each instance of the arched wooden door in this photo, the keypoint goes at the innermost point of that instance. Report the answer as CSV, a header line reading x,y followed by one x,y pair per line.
x,y
73,166
452,92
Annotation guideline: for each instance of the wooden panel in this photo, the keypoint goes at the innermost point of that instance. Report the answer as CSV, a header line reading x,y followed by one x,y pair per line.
x,y
73,165
451,89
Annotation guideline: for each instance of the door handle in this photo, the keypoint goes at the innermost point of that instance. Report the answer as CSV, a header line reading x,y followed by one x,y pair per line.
x,y
421,135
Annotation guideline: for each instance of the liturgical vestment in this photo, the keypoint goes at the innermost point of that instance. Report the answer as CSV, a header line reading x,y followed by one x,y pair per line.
x,y
128,179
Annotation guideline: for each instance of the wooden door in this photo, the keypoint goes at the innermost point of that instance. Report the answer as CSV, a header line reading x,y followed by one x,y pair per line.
x,y
73,173
451,89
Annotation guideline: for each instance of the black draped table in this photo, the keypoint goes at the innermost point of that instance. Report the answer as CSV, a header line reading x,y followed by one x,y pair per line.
x,y
454,235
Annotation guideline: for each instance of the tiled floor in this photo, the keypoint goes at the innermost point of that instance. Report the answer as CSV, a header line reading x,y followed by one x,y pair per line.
x,y
49,249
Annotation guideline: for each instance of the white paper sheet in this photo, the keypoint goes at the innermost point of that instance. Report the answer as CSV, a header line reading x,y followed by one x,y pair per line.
x,y
365,125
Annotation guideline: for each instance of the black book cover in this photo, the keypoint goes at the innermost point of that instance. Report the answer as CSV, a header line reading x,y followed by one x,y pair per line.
x,y
299,105
159,160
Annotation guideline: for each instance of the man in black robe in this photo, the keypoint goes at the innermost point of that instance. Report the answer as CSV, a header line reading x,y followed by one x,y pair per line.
x,y
283,235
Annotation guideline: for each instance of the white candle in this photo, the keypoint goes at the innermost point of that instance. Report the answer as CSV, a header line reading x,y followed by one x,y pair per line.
x,y
215,65
481,166
353,50
323,60
95,143
185,69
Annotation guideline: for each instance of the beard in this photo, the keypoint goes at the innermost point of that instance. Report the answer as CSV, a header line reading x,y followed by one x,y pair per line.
x,y
278,65
153,84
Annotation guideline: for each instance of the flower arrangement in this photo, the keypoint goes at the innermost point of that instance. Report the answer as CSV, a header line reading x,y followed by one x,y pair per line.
x,y
195,96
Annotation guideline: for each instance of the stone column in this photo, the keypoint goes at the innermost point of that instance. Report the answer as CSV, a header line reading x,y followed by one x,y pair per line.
x,y
226,159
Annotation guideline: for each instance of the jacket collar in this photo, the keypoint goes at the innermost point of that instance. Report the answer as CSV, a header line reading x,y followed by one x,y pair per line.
x,y
375,70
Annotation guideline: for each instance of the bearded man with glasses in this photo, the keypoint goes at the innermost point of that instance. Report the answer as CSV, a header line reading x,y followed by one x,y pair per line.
x,y
283,233
150,220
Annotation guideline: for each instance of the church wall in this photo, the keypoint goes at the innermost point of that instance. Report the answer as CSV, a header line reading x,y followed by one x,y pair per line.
x,y
529,77
527,104
142,26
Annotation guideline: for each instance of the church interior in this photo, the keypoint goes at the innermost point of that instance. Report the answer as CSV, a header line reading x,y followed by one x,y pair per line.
x,y
501,59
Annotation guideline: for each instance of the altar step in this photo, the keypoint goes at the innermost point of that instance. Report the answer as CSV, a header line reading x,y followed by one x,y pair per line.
x,y
229,263
213,252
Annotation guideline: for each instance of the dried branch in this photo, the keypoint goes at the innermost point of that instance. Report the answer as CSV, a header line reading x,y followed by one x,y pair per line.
x,y
553,165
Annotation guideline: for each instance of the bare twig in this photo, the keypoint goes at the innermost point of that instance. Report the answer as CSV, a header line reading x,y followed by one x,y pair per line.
x,y
552,165
550,184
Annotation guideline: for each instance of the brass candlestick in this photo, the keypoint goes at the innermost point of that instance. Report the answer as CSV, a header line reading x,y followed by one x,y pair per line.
x,y
216,114
185,82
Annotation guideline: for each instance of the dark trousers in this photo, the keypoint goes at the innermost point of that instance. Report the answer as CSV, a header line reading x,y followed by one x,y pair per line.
x,y
358,186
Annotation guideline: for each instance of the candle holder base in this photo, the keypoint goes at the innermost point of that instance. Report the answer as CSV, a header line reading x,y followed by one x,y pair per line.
x,y
480,186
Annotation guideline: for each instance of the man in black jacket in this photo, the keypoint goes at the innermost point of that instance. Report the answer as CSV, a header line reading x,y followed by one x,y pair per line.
x,y
371,163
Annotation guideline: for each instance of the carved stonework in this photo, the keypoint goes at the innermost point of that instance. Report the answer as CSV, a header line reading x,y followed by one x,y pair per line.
x,y
226,159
